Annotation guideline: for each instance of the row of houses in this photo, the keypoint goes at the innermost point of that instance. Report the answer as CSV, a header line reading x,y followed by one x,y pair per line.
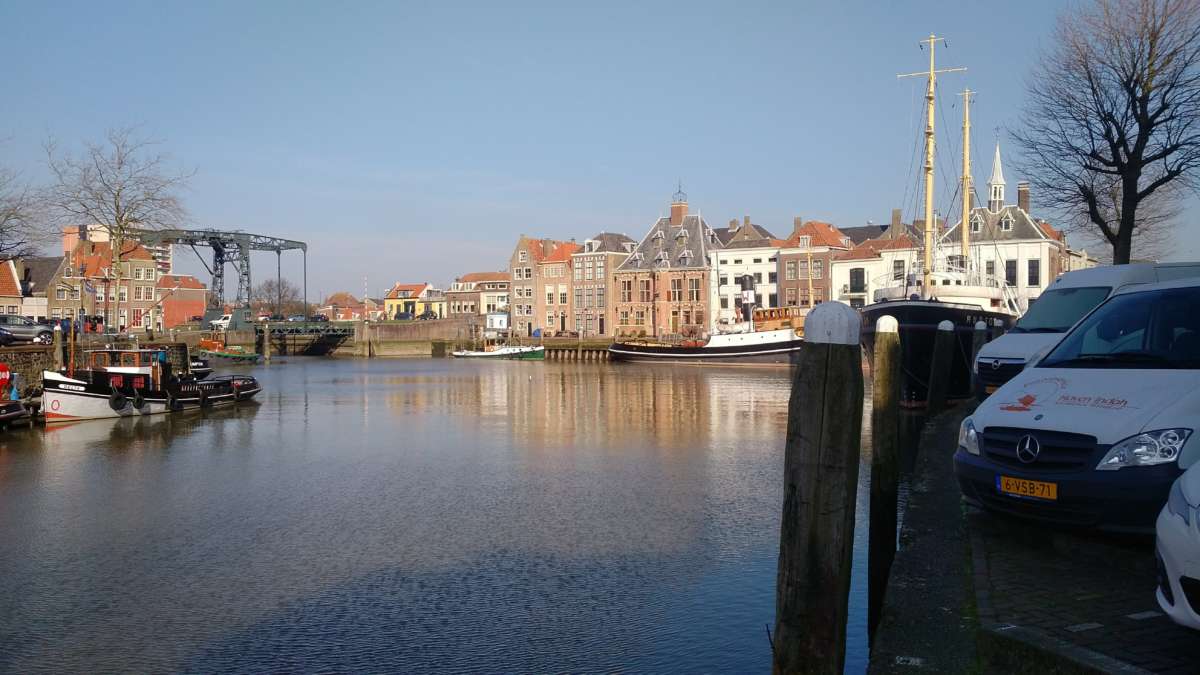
x,y
83,283
684,276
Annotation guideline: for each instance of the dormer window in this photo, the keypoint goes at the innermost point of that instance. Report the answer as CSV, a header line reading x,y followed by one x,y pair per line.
x,y
661,257
1006,223
682,234
659,236
976,223
805,241
629,246
637,257
685,256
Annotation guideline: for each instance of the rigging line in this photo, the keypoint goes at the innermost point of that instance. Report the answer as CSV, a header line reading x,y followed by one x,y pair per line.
x,y
908,184
909,205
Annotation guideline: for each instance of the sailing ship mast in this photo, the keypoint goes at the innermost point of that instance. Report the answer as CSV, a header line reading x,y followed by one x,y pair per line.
x,y
964,229
929,225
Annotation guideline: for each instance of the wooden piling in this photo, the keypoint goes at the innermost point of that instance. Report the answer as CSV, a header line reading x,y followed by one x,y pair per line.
x,y
58,347
939,368
978,339
820,478
885,463
267,341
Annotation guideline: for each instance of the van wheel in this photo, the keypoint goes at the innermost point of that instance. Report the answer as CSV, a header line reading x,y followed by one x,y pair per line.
x,y
44,338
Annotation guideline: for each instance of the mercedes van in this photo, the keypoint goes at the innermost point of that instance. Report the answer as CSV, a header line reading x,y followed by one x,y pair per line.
x,y
1064,301
1095,432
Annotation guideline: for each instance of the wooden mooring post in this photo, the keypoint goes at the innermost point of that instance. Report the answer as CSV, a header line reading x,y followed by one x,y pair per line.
x,y
816,534
267,341
58,347
978,339
885,463
939,368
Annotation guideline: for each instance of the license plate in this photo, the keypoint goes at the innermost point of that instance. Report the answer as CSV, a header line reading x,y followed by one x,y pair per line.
x,y
1022,487
990,389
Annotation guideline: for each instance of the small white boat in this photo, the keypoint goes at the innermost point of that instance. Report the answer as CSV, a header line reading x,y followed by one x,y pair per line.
x,y
520,353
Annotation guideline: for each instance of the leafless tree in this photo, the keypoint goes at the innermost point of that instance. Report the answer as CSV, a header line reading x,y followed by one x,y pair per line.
x,y
119,185
1111,126
280,298
22,222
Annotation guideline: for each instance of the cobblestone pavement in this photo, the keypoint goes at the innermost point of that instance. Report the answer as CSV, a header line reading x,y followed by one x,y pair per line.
x,y
1087,596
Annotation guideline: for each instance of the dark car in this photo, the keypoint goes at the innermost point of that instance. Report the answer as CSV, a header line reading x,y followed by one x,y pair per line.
x,y
404,316
318,317
427,315
6,338
26,330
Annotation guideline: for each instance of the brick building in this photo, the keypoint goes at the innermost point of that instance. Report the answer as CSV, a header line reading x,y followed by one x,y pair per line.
x,y
531,261
593,269
805,263
478,293
662,288
180,297
87,283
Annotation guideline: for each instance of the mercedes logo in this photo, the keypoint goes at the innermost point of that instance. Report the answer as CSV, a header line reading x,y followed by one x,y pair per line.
x,y
1028,449
995,364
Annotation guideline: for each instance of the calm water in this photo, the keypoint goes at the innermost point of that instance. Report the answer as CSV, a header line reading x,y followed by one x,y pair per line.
x,y
410,515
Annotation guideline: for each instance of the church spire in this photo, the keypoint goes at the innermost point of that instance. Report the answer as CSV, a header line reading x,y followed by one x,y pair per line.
x,y
996,184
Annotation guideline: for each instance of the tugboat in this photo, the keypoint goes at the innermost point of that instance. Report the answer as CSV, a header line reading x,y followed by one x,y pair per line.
x,y
131,382
535,353
199,367
213,351
765,336
942,290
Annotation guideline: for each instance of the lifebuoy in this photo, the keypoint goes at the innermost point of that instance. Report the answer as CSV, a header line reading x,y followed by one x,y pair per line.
x,y
117,402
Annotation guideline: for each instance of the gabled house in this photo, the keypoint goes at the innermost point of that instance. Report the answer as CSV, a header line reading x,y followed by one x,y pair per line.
x,y
540,272
806,261
87,283
37,275
414,299
593,270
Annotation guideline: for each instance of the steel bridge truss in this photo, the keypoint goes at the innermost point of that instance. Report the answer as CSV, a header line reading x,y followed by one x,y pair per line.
x,y
232,248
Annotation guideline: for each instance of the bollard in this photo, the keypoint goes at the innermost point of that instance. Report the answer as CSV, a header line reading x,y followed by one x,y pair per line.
x,y
978,339
939,368
885,463
58,347
816,533
267,341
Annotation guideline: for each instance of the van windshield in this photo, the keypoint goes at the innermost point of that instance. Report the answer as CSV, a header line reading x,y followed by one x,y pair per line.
x,y
1058,309
1147,330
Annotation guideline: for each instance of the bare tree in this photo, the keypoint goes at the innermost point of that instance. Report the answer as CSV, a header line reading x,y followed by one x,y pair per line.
x,y
22,226
119,185
1112,115
280,298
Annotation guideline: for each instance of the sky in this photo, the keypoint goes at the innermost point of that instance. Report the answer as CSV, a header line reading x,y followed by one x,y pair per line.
x,y
415,141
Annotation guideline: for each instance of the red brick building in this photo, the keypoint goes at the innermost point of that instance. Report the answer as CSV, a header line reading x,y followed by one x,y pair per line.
x,y
180,298
805,259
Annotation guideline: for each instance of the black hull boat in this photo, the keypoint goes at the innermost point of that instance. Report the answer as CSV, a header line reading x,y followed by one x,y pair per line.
x,y
129,383
774,347
199,368
918,321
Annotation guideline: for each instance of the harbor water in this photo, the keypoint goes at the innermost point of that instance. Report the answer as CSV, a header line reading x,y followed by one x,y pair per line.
x,y
411,515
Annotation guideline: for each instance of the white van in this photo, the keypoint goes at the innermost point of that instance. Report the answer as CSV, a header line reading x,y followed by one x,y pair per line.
x,y
1095,432
1064,301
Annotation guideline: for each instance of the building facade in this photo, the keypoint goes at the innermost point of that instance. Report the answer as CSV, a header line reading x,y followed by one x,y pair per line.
x,y
662,288
414,299
593,271
748,249
806,263
478,293
530,262
87,283
180,299
37,275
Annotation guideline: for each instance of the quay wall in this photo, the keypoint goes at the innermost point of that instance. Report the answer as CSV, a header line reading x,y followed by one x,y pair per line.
x,y
27,363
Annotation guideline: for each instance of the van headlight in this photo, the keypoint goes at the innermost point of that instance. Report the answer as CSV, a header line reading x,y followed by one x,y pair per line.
x,y
968,439
1178,505
1145,449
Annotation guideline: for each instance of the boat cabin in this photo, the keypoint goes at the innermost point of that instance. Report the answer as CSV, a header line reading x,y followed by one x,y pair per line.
x,y
143,367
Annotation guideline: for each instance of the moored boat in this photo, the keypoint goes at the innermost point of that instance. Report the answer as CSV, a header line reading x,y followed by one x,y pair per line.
x,y
527,353
131,382
757,347
199,367
213,352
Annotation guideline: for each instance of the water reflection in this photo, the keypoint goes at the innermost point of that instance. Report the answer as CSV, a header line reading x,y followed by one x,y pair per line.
x,y
417,515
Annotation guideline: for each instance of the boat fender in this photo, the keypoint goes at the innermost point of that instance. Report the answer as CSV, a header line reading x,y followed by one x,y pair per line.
x,y
237,392
138,401
173,403
116,401
204,402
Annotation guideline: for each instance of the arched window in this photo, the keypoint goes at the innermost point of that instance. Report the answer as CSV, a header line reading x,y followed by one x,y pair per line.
x,y
1006,223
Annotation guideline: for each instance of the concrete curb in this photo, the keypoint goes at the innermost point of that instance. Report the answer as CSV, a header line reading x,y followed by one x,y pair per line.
x,y
1004,636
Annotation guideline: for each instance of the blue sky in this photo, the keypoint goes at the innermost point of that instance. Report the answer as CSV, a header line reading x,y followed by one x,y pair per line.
x,y
415,141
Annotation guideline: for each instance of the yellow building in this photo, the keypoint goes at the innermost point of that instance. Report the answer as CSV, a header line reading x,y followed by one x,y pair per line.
x,y
409,301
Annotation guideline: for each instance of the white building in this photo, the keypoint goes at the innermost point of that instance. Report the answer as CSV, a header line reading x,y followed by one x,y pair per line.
x,y
749,249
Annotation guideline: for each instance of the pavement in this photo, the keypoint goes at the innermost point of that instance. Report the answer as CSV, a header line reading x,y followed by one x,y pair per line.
x,y
977,592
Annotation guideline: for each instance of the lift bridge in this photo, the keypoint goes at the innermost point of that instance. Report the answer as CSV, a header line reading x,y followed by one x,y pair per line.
x,y
231,248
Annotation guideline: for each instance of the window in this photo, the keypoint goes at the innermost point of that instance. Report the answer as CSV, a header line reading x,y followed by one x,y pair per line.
x,y
694,290
802,266
771,259
758,260
790,297
773,300
976,223
588,297
1010,272
897,270
645,290
789,270
578,298
640,316
600,268
61,294
1006,223
578,273
56,313
627,290
724,303
758,300
522,256
1033,276
562,294
818,269
805,241
724,280
990,268
600,297
69,312
772,277
623,317
529,273
758,277
549,295
123,296
588,267
677,290
549,319
858,280
75,293
737,261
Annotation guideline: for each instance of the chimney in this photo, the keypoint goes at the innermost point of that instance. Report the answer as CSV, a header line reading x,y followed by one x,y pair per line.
x,y
1023,196
797,223
746,221
733,224
678,211
895,225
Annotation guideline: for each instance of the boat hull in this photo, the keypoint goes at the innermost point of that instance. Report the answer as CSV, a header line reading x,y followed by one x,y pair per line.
x,y
228,358
778,353
918,321
73,400
506,353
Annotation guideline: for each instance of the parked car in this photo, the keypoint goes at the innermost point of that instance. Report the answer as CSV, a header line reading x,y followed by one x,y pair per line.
x,y
221,323
296,318
26,330
427,315
404,316
318,317
1064,302
262,317
6,338
1178,551
1095,432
